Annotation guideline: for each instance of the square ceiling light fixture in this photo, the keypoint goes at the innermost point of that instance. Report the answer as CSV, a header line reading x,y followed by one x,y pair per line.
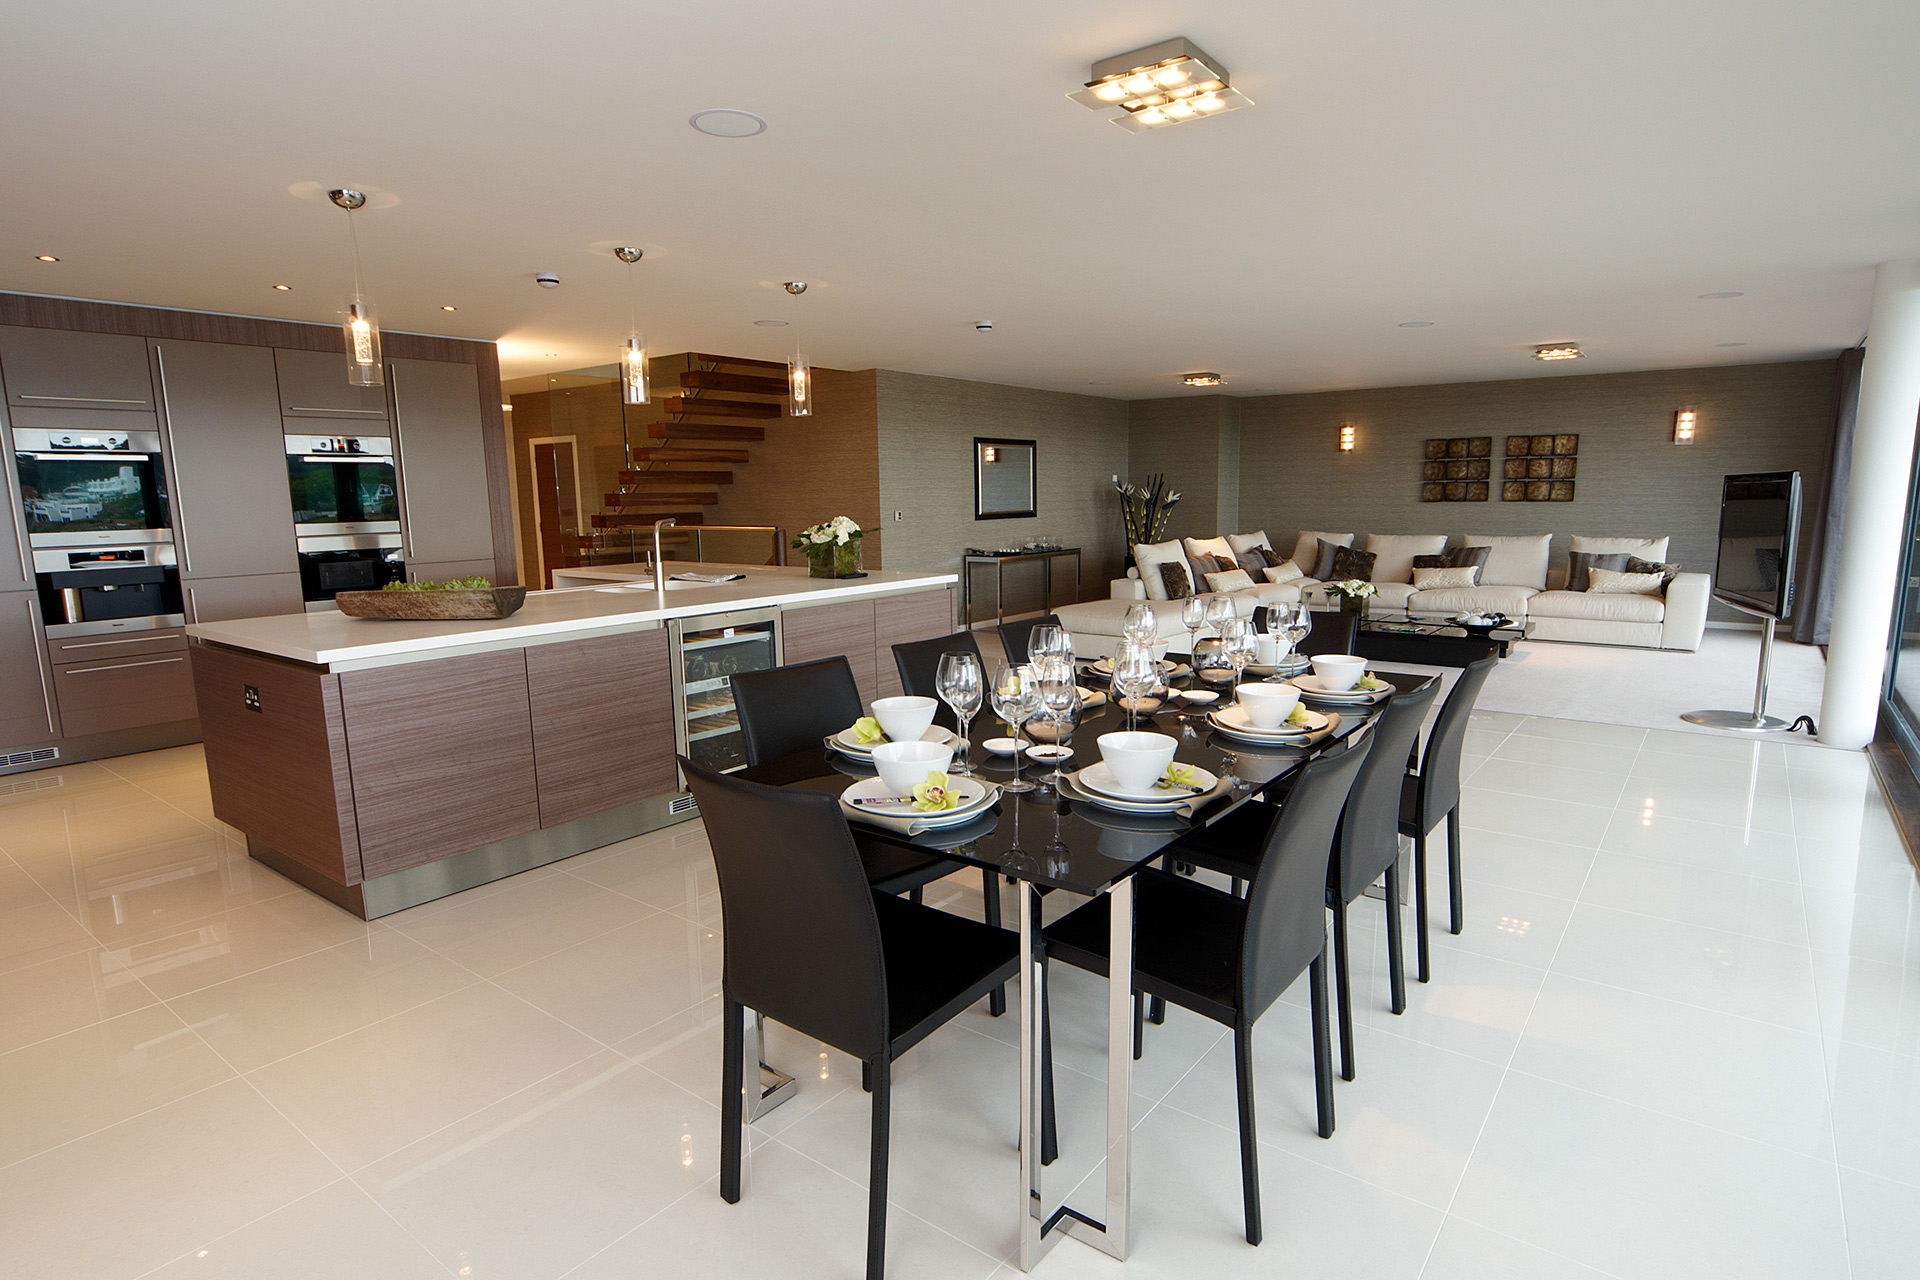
x,y
1161,84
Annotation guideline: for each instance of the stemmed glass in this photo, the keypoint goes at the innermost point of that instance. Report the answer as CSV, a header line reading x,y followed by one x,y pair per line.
x,y
1140,626
958,682
1060,703
1134,675
1219,610
1296,624
1049,641
1237,635
1016,696
1193,616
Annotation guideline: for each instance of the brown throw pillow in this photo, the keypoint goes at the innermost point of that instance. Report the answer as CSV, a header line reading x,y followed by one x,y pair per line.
x,y
1580,564
1179,587
1432,562
1270,558
1351,562
1323,560
1254,563
1667,570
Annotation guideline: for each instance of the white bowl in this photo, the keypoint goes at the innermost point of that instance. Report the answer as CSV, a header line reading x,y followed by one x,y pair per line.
x,y
906,719
1268,705
1004,746
1137,758
905,765
1338,672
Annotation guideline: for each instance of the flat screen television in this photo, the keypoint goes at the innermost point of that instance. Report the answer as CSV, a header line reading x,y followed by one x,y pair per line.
x,y
1759,518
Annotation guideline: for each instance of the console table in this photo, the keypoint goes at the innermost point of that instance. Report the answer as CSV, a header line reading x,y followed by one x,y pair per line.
x,y
1000,562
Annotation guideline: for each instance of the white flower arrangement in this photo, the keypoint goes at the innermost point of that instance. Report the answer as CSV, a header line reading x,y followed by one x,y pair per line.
x,y
1353,589
840,531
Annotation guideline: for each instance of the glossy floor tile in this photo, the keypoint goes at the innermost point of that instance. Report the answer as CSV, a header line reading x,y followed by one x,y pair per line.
x,y
1679,1037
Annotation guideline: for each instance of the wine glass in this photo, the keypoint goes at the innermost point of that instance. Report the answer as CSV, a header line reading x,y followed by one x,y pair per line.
x,y
1060,701
1016,696
1297,625
1237,635
1048,641
1134,676
1140,626
1193,616
958,682
1219,609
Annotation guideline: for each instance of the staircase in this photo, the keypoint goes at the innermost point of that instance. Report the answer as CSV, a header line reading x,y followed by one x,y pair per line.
x,y
709,426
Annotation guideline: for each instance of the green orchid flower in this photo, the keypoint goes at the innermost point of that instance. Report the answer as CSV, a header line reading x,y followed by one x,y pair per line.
x,y
867,730
1179,775
1373,684
934,794
1298,715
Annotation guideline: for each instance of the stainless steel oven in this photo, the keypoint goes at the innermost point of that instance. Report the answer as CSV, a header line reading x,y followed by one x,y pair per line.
x,y
91,488
348,562
342,485
89,590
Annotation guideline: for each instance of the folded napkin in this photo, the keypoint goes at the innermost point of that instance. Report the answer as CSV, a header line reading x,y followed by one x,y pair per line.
x,y
913,825
1186,808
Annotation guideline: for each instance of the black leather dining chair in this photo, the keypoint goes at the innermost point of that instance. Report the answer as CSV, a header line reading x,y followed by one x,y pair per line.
x,y
918,662
1333,630
1434,793
1013,635
1229,958
791,708
806,944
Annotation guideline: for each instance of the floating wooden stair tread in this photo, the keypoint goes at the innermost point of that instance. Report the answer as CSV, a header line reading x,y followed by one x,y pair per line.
x,y
657,478
715,407
661,498
671,453
636,519
703,380
703,431
742,362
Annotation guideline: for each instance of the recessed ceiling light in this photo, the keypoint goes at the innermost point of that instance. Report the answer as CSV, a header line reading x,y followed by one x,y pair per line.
x,y
1558,351
1416,324
447,308
727,122
1725,293
283,288
771,324
45,257
1203,379
1729,344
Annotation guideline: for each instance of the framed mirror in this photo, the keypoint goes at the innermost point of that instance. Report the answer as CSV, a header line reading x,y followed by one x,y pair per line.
x,y
1002,479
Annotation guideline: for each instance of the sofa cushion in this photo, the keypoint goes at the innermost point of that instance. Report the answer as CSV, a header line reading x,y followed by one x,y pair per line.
x,y
1286,571
1668,572
1394,553
1513,562
1645,548
1581,563
1608,583
1149,556
1392,595
1230,580
1350,563
1219,548
1174,579
1594,606
1306,552
1486,598
1245,542
1465,575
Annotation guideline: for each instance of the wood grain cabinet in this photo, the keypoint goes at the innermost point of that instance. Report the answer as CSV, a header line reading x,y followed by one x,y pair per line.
x,y
257,596
233,515
602,723
313,384
830,630
66,370
438,429
27,714
442,757
16,567
897,619
123,691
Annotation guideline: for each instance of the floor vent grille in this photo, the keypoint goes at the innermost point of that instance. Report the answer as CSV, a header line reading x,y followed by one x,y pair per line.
x,y
681,804
38,756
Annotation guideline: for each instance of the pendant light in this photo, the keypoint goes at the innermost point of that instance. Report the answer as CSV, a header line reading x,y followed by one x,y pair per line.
x,y
633,352
799,374
361,327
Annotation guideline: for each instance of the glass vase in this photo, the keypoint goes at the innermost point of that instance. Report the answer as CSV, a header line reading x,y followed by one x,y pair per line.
x,y
1354,605
834,560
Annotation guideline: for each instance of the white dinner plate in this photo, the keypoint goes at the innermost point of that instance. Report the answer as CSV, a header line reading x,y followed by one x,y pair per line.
x,y
1313,686
1098,777
974,796
1104,666
845,741
1234,720
1074,791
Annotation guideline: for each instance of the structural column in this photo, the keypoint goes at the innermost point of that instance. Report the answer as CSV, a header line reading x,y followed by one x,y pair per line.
x,y
1875,527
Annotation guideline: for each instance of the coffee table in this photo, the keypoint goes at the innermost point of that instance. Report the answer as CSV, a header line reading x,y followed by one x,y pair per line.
x,y
1389,636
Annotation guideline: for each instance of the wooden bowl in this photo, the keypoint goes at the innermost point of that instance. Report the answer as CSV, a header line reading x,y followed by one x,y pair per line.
x,y
458,604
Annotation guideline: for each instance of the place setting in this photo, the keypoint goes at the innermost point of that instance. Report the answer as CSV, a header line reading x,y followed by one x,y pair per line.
x,y
894,720
1341,679
1272,714
916,791
1137,774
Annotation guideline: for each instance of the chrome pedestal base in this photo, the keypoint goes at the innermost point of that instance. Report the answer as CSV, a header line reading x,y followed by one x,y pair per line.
x,y
1738,721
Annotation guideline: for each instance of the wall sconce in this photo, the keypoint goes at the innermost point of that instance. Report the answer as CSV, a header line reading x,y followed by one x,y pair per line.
x,y
1684,423
989,454
1346,437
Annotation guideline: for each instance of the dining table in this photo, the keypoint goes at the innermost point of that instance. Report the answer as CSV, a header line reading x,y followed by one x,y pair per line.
x,y
1054,839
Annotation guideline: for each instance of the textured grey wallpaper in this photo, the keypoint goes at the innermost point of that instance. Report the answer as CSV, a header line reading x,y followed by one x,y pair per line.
x,y
1632,480
926,431
1195,442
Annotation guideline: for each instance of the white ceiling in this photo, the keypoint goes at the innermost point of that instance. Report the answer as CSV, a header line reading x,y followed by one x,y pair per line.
x,y
1516,173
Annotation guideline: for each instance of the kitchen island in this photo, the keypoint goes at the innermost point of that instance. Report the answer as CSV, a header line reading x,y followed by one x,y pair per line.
x,y
383,764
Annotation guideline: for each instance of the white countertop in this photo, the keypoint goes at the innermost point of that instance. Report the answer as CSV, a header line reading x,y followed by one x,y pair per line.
x,y
332,639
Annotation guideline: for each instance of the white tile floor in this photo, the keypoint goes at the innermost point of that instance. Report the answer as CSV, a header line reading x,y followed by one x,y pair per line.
x,y
1680,1037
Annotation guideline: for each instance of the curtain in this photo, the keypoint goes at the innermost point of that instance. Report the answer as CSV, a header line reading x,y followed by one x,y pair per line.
x,y
1814,618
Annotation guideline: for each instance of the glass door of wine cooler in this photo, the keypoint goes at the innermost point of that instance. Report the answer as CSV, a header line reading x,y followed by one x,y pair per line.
x,y
707,653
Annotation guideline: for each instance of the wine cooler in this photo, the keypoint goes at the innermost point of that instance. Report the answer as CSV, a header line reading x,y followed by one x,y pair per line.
x,y
708,652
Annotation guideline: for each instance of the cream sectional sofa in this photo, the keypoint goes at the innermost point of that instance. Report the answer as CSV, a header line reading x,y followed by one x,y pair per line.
x,y
1517,580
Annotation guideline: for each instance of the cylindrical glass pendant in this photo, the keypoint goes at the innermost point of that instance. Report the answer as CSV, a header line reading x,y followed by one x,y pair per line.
x,y
799,387
633,370
363,344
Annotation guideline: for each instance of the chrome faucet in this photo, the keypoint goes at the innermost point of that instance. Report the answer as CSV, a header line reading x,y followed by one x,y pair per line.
x,y
659,563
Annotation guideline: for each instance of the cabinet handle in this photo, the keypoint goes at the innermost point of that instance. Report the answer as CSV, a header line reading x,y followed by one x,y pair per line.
x,y
400,458
95,644
179,516
84,399
39,655
14,507
116,666
333,412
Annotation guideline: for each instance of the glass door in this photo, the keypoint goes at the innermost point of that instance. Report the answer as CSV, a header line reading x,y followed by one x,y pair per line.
x,y
707,653
1902,695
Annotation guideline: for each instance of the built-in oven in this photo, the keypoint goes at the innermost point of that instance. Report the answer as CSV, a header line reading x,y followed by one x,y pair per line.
x,y
348,562
342,485
88,590
91,488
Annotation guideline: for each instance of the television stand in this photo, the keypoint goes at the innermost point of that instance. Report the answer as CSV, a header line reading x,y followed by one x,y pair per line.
x,y
1740,721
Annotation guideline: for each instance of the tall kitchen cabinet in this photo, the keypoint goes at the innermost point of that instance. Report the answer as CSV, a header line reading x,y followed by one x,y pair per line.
x,y
227,466
28,718
445,512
